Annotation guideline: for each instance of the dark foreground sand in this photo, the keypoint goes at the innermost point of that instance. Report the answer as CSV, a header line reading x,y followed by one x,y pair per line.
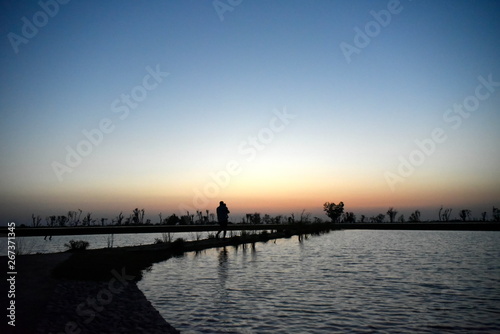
x,y
48,305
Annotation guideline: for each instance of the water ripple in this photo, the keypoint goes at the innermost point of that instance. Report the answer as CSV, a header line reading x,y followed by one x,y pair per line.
x,y
342,282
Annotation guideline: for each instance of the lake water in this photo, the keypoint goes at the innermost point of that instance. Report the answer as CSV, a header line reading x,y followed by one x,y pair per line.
x,y
33,245
361,281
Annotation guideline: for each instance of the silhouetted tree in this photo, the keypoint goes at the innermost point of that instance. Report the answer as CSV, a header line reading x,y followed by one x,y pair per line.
x,y
415,217
199,215
278,219
103,220
52,220
377,219
62,220
118,220
401,219
349,217
74,217
392,214
135,216
483,216
141,218
496,214
255,218
334,211
305,217
87,220
173,220
187,219
318,220
445,216
363,217
464,214
36,220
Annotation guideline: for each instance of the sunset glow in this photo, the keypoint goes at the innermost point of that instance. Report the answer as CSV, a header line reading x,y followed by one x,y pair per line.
x,y
166,107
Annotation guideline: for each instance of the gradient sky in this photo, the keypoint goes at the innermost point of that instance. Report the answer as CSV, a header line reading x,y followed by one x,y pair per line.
x,y
233,66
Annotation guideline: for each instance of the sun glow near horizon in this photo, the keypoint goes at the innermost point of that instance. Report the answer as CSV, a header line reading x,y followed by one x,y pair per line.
x,y
266,96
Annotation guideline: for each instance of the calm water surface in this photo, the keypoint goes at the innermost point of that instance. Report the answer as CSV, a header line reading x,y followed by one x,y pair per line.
x,y
345,281
33,245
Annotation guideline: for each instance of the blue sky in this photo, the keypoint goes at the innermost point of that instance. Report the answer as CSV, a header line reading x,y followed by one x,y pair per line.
x,y
351,121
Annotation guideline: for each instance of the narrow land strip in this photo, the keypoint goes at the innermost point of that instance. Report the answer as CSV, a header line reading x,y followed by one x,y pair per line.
x,y
90,230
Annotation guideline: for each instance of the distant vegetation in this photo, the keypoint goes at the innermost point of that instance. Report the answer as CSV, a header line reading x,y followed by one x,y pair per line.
x,y
335,212
78,245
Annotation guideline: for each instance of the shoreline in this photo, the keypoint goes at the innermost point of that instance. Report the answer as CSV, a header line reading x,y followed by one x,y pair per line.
x,y
95,290
92,230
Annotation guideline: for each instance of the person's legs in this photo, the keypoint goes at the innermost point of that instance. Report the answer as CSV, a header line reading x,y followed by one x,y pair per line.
x,y
223,226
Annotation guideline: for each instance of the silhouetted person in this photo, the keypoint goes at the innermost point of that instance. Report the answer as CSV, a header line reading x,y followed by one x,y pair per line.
x,y
222,217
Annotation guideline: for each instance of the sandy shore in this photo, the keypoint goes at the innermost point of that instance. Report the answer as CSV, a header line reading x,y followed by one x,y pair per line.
x,y
48,305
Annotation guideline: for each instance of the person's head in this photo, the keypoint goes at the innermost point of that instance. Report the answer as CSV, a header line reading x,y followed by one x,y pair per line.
x,y
222,203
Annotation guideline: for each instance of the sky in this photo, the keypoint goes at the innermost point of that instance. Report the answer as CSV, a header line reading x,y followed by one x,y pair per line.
x,y
272,106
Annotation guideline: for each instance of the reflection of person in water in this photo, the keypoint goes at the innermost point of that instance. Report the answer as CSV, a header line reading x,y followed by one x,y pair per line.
x,y
222,217
223,272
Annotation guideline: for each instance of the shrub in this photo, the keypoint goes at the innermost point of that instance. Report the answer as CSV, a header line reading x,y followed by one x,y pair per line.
x,y
77,245
178,244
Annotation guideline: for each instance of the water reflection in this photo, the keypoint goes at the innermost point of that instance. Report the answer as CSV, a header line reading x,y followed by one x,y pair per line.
x,y
223,265
346,281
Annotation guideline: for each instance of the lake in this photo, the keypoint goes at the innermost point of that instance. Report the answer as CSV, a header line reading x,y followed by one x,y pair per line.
x,y
33,245
344,281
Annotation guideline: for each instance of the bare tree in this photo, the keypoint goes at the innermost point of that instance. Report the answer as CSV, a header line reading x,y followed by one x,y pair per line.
x,y
483,216
142,216
392,214
52,220
135,216
199,215
36,220
349,217
464,214
415,217
447,214
377,219
118,220
87,220
496,214
62,220
305,217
